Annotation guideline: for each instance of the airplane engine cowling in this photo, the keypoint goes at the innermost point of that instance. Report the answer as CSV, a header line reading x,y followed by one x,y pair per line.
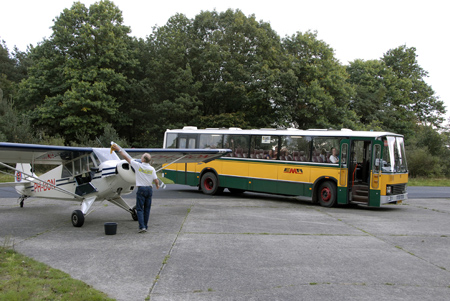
x,y
126,172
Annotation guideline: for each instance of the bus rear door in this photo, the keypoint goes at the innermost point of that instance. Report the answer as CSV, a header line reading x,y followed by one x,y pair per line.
x,y
342,197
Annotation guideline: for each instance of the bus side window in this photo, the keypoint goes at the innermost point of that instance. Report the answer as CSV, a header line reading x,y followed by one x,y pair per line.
x,y
171,140
322,148
182,143
238,144
210,141
295,148
263,147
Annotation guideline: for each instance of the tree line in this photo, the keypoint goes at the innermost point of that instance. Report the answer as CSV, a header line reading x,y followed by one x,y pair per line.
x,y
91,82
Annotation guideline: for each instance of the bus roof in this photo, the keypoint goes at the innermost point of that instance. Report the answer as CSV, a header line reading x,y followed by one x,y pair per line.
x,y
284,132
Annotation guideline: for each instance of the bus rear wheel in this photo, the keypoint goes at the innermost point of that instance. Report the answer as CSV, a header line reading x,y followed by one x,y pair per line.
x,y
327,194
210,184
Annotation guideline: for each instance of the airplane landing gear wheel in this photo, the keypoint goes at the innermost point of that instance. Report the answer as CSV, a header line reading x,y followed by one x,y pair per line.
x,y
134,214
77,218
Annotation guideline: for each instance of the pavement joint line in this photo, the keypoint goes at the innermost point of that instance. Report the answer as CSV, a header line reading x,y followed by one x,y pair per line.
x,y
164,263
274,234
435,210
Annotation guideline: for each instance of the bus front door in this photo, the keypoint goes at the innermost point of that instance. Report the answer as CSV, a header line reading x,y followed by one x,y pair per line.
x,y
359,170
375,174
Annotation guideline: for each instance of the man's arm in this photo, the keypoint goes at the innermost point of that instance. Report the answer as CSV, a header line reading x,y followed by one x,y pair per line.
x,y
121,152
156,181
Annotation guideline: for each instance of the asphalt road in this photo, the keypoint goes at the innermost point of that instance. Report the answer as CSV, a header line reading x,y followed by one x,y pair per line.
x,y
246,247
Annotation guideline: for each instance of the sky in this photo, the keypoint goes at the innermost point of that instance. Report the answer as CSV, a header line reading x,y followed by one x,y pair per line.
x,y
355,29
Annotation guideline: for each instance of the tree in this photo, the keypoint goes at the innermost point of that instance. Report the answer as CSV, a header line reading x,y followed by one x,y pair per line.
x,y
427,153
13,68
420,97
166,93
392,95
380,99
14,126
314,87
236,60
77,81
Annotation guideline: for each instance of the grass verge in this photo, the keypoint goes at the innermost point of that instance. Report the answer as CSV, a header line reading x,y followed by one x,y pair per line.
x,y
429,182
6,178
22,278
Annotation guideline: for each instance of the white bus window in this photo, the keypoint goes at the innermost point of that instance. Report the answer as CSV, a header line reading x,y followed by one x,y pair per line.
x,y
171,140
264,147
322,148
238,144
295,148
191,143
182,143
210,141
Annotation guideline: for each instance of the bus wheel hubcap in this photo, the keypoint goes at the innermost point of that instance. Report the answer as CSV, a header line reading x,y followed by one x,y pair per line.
x,y
326,194
208,184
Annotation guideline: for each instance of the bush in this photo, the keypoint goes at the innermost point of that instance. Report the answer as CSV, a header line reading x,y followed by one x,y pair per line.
x,y
422,164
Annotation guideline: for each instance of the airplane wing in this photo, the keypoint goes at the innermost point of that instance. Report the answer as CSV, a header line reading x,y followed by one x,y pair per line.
x,y
168,155
40,154
52,154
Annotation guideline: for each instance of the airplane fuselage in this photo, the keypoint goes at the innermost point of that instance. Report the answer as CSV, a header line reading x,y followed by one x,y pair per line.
x,y
111,179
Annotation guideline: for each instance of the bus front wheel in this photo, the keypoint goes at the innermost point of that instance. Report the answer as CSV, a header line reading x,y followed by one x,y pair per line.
x,y
210,184
327,194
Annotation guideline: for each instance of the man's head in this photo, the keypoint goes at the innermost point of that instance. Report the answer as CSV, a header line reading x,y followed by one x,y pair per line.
x,y
146,158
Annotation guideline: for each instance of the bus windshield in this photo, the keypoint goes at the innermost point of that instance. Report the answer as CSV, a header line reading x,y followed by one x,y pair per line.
x,y
394,158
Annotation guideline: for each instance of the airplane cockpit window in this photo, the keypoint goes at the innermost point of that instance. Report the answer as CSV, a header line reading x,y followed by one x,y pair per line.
x,y
80,166
93,161
105,154
67,170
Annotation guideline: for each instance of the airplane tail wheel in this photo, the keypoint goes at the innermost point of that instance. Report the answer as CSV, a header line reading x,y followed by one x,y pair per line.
x,y
77,218
134,214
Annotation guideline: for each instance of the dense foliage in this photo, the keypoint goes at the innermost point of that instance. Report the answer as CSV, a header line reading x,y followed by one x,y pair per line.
x,y
91,81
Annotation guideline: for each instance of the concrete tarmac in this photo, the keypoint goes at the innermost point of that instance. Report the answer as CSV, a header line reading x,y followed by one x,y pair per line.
x,y
245,247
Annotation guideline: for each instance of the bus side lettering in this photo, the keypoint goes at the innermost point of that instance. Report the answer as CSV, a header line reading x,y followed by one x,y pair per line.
x,y
293,170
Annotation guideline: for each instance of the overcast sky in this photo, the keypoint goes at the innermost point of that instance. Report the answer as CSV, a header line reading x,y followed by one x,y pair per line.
x,y
355,29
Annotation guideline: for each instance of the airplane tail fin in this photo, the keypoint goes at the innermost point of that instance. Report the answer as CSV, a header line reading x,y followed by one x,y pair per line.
x,y
23,168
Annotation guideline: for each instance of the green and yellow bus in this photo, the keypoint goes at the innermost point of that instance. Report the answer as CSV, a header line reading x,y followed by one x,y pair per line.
x,y
328,167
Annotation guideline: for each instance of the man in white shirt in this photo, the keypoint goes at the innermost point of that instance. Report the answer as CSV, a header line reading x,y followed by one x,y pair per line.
x,y
145,177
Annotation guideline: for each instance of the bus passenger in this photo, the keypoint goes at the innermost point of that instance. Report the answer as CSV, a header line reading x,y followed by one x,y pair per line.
x,y
269,156
323,155
334,158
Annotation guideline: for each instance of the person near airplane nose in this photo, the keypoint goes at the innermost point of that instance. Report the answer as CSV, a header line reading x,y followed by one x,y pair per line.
x,y
145,177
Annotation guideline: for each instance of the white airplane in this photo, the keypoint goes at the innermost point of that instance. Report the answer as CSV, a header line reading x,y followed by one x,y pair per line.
x,y
86,174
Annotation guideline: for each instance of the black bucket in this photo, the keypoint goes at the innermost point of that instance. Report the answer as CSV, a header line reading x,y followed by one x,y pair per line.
x,y
110,228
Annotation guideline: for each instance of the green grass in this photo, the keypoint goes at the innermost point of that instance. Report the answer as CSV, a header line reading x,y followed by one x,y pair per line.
x,y
6,178
22,278
429,182
165,180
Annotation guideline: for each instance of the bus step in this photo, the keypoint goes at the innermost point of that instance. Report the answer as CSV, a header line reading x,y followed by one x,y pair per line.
x,y
362,192
360,199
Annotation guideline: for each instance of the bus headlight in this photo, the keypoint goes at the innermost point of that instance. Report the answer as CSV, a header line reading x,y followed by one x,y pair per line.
x,y
388,189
